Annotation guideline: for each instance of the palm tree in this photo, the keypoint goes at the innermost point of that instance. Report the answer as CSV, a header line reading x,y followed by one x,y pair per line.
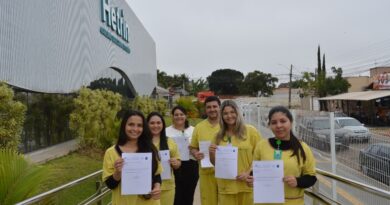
x,y
19,178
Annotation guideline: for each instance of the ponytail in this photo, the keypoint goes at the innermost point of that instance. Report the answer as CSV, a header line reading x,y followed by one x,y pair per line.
x,y
296,146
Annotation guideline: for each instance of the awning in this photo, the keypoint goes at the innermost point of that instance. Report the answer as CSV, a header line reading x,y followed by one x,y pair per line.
x,y
363,96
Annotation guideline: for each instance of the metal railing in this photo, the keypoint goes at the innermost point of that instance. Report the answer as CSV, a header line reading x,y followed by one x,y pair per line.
x,y
313,193
367,188
51,192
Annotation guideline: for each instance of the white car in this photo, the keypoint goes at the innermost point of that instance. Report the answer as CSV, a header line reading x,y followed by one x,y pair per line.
x,y
358,131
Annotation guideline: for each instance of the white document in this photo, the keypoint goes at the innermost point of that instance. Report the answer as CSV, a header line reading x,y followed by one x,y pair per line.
x,y
136,173
204,148
226,162
183,143
268,178
165,156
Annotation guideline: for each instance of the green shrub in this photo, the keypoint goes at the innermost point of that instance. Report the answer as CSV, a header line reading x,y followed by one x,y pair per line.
x,y
188,104
12,115
147,105
94,117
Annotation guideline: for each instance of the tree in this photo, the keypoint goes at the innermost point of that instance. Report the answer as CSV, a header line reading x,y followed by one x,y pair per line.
x,y
198,85
12,116
321,80
166,81
20,179
258,81
163,79
337,84
113,85
94,117
308,83
225,81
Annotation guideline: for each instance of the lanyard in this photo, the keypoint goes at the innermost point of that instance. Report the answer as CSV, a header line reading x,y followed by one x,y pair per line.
x,y
228,139
278,152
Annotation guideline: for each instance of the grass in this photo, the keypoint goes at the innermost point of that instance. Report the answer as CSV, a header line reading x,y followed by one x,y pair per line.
x,y
71,167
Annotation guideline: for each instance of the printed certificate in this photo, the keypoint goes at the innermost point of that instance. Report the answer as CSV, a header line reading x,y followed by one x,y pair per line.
x,y
183,143
268,178
204,148
226,162
165,157
136,173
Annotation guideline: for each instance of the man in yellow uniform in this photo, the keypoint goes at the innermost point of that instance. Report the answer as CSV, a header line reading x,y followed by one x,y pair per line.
x,y
206,131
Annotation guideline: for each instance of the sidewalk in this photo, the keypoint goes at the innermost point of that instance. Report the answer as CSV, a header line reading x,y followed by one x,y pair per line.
x,y
59,150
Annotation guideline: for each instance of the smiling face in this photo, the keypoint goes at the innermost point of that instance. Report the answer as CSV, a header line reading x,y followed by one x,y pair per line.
x,y
155,125
179,118
134,127
229,116
212,110
280,125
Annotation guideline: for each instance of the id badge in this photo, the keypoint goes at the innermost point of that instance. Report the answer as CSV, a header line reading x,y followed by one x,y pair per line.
x,y
277,154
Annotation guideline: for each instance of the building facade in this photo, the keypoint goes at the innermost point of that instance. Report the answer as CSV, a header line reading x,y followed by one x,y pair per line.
x,y
57,46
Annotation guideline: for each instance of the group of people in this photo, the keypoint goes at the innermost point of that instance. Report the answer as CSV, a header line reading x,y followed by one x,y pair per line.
x,y
224,126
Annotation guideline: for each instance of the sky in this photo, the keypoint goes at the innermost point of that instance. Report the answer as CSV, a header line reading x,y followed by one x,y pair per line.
x,y
197,37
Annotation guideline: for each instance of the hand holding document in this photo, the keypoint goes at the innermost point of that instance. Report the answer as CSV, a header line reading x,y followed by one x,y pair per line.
x,y
204,148
183,143
165,156
226,162
136,173
268,178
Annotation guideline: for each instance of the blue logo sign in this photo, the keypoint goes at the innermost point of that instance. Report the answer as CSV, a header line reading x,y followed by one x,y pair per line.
x,y
114,19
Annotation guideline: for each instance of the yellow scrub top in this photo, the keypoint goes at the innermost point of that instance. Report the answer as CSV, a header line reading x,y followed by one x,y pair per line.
x,y
264,151
246,149
117,199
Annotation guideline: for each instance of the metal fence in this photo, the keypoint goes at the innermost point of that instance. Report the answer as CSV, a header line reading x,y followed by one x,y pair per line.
x,y
358,155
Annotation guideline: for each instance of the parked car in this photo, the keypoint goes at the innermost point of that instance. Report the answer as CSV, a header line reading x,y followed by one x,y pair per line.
x,y
315,131
358,131
374,161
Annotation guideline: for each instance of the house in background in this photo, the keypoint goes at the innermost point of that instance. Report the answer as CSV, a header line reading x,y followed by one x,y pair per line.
x,y
370,100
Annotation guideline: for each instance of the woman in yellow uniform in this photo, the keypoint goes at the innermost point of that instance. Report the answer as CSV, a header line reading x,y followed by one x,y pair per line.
x,y
235,133
157,128
299,163
134,137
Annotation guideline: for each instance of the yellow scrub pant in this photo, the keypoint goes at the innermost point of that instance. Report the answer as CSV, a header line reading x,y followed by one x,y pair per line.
x,y
167,197
236,199
299,201
142,201
208,189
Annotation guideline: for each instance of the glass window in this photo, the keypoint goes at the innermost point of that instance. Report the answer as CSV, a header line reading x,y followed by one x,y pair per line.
x,y
374,150
349,122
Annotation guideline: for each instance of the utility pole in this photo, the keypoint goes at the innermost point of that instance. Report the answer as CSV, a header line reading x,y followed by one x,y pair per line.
x,y
289,89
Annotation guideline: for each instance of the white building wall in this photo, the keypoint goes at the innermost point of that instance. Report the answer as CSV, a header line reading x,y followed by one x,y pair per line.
x,y
55,46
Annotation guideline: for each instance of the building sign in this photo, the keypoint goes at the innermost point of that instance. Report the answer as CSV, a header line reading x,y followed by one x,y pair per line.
x,y
114,19
382,81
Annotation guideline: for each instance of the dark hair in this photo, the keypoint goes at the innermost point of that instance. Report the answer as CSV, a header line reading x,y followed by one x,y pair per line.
x,y
211,99
163,136
178,107
144,142
296,146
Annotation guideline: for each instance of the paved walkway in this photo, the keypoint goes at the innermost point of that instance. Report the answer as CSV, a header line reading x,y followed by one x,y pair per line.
x,y
59,150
